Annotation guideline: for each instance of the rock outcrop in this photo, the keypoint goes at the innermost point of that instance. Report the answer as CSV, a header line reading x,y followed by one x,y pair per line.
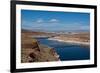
x,y
32,51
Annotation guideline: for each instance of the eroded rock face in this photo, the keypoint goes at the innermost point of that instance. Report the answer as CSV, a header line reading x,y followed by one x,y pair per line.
x,y
33,51
38,53
44,55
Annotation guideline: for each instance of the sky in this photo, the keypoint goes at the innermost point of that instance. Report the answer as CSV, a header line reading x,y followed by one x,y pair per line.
x,y
53,21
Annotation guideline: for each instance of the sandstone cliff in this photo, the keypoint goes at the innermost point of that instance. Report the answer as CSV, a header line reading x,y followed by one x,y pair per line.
x,y
32,51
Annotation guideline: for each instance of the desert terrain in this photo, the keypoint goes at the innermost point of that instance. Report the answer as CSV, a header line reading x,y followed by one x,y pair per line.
x,y
33,51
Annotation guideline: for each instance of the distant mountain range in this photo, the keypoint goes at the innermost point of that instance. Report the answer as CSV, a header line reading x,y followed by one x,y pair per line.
x,y
59,32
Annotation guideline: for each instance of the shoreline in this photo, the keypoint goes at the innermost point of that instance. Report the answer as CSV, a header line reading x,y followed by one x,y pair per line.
x,y
70,41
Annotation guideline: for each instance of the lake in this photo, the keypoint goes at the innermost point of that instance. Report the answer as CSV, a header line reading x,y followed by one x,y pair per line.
x,y
67,51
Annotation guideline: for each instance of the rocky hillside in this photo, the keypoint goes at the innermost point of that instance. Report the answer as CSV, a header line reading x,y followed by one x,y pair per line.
x,y
32,51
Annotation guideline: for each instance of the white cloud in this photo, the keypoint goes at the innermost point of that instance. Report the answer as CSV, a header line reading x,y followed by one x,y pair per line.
x,y
46,21
39,21
53,20
85,28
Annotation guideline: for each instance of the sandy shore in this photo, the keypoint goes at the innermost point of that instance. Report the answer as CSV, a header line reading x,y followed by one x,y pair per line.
x,y
70,41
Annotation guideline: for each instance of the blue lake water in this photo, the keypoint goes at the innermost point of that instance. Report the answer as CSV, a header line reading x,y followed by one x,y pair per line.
x,y
67,51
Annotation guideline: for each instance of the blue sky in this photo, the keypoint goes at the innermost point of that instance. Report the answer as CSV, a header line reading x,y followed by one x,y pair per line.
x,y
54,21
